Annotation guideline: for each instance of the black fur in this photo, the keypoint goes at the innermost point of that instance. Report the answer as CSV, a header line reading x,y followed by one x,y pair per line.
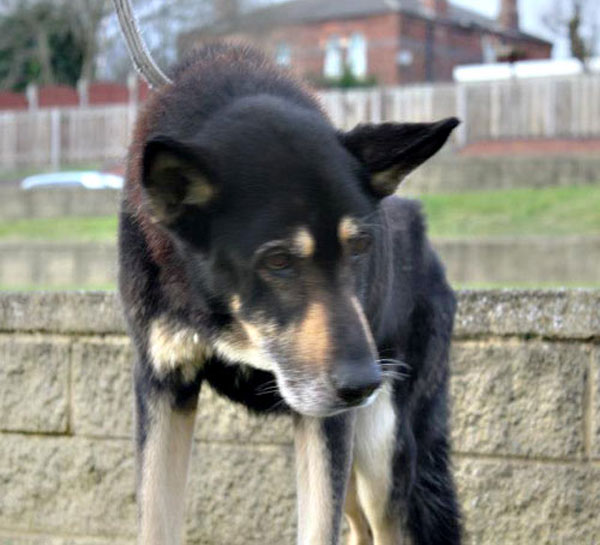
x,y
289,167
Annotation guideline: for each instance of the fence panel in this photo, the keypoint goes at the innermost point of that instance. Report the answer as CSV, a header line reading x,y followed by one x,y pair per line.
x,y
534,108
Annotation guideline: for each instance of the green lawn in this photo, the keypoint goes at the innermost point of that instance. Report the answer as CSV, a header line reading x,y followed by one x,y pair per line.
x,y
550,211
58,287
573,210
89,229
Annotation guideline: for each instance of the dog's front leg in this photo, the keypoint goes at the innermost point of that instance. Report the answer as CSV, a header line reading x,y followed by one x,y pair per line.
x,y
323,460
165,421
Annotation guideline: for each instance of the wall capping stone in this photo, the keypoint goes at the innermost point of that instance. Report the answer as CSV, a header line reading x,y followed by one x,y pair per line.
x,y
557,314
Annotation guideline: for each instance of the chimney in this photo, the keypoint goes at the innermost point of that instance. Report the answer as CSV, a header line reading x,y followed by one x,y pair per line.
x,y
436,8
508,19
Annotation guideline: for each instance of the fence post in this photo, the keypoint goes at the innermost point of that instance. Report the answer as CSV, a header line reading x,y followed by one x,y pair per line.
x,y
31,92
462,112
55,143
8,139
83,89
132,86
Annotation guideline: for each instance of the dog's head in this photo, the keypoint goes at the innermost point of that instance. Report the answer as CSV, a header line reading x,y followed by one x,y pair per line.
x,y
272,210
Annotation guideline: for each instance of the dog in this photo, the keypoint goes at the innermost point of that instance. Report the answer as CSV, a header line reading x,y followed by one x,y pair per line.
x,y
262,252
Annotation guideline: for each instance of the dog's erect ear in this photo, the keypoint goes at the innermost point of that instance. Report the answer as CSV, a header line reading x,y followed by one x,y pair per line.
x,y
390,151
174,177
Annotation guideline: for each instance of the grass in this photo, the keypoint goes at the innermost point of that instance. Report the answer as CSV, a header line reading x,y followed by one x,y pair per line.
x,y
84,229
551,211
109,286
555,211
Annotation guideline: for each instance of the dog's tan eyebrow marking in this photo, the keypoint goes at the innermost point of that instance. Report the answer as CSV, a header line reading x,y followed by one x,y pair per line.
x,y
303,242
348,227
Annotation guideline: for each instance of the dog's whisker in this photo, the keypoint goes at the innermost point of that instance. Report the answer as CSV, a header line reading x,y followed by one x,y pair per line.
x,y
395,376
276,405
391,363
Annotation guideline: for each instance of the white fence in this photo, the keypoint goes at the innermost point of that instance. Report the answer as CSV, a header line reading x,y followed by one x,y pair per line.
x,y
534,108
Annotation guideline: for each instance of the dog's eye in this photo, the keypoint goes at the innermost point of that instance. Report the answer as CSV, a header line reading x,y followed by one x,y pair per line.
x,y
359,245
278,261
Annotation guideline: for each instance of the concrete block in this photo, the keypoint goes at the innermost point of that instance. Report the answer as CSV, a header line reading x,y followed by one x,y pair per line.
x,y
55,267
103,400
102,387
517,503
236,494
9,538
78,486
57,203
15,272
34,389
520,399
565,314
221,420
450,174
594,416
241,496
513,260
62,312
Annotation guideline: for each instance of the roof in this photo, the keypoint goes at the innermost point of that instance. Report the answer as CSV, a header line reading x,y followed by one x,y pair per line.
x,y
308,11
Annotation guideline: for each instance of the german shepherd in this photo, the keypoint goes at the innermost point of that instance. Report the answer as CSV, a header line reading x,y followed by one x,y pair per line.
x,y
262,252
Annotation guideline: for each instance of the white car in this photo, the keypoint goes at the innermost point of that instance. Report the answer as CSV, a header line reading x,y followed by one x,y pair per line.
x,y
88,179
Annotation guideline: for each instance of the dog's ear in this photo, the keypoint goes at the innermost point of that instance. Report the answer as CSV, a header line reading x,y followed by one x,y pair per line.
x,y
390,151
174,177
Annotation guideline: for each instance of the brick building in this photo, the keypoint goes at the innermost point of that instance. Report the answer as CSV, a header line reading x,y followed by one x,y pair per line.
x,y
392,41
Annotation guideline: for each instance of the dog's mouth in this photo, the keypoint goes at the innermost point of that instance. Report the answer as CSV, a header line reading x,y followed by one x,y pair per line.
x,y
317,398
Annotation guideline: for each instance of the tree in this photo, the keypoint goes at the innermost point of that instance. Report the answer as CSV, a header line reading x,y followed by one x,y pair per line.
x,y
161,22
579,22
86,17
37,44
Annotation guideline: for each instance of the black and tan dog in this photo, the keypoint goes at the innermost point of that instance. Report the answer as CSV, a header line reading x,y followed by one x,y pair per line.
x,y
261,253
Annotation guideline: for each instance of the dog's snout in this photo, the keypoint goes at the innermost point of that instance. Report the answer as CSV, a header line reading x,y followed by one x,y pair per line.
x,y
356,380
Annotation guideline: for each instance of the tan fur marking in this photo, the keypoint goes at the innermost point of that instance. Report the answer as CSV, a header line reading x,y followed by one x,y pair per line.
x,y
314,485
245,342
173,346
373,455
347,228
164,470
235,304
313,339
200,192
303,242
357,521
386,182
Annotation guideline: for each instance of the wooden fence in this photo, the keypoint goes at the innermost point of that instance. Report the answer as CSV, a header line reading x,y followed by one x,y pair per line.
x,y
534,108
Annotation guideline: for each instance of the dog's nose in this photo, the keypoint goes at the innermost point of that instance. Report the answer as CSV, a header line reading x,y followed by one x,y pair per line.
x,y
355,381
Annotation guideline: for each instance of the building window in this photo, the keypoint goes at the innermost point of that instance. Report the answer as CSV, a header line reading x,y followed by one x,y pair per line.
x,y
357,55
283,54
488,49
334,60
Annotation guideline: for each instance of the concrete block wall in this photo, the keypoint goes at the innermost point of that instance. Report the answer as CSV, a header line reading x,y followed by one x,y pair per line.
x,y
17,204
452,174
518,261
526,428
